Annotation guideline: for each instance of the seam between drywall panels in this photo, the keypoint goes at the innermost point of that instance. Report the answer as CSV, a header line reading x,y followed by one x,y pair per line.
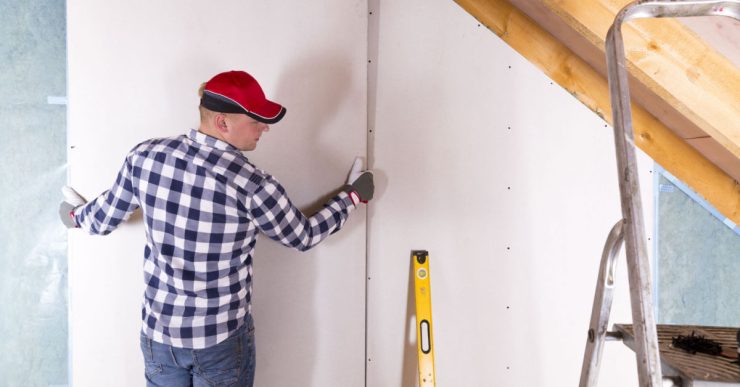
x,y
371,90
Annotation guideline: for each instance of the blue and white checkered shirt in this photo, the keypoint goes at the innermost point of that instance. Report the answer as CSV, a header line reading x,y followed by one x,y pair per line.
x,y
204,204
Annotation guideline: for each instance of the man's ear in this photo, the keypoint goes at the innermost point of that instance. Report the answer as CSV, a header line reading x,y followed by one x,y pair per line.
x,y
219,121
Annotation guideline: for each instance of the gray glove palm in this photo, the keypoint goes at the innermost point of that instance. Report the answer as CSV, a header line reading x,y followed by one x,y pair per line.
x,y
360,184
71,201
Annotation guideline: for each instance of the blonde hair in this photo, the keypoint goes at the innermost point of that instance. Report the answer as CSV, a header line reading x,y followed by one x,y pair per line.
x,y
205,114
201,89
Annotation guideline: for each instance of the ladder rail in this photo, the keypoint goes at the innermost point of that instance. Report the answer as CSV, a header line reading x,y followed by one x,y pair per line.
x,y
602,305
646,338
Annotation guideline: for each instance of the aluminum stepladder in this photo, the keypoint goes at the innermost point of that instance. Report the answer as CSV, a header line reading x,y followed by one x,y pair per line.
x,y
630,229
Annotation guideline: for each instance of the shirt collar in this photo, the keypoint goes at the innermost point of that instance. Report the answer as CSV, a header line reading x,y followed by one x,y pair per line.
x,y
213,142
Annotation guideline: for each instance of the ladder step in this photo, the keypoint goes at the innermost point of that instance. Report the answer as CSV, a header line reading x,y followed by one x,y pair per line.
x,y
614,336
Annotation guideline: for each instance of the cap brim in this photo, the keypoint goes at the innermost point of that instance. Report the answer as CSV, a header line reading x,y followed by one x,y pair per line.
x,y
269,113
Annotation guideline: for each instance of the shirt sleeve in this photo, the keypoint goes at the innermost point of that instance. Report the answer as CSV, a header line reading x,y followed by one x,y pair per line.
x,y
107,211
276,217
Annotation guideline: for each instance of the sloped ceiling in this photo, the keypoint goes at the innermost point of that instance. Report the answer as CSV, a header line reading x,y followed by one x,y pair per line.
x,y
686,92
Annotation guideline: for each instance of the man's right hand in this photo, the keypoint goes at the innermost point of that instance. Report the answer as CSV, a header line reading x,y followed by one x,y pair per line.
x,y
71,201
360,185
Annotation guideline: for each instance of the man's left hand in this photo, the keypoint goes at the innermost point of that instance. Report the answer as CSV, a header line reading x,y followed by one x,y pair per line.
x,y
71,201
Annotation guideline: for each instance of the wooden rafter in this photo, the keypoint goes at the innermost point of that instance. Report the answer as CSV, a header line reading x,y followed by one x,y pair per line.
x,y
588,84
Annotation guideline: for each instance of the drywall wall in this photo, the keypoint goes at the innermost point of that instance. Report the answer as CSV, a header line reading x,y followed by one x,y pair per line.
x,y
134,69
506,179
509,183
33,259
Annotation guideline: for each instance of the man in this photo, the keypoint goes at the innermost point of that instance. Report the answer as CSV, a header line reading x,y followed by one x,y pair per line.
x,y
204,204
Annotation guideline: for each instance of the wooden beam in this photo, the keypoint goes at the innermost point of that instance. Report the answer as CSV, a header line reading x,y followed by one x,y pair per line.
x,y
591,88
673,63
677,77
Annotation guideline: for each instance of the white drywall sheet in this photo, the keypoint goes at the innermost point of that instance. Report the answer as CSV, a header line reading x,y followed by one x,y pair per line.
x,y
505,178
134,70
510,183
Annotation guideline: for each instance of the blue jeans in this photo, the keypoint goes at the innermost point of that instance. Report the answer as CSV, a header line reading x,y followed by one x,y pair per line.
x,y
229,363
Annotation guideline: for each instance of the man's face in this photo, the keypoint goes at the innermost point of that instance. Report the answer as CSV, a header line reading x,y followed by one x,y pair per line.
x,y
244,131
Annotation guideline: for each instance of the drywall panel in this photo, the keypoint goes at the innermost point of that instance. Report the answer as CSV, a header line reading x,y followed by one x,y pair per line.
x,y
134,69
33,245
510,183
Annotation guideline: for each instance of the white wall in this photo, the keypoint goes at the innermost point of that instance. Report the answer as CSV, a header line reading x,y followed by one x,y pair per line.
x,y
506,179
510,183
134,70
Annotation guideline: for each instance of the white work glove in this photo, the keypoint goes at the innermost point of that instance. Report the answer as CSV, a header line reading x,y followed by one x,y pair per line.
x,y
360,185
71,201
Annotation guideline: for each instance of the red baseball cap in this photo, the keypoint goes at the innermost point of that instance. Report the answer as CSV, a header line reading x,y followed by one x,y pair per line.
x,y
239,92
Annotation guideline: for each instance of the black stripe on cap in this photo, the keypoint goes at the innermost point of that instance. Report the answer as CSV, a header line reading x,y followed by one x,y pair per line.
x,y
218,103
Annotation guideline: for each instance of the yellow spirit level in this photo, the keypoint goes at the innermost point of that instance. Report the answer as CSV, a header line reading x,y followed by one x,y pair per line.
x,y
423,292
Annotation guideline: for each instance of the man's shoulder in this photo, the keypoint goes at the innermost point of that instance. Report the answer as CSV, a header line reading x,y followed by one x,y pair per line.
x,y
251,173
159,144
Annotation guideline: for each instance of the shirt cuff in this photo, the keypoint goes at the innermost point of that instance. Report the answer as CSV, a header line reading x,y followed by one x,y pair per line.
x,y
346,200
73,215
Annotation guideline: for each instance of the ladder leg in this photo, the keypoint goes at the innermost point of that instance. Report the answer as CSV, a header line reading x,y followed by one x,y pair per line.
x,y
602,307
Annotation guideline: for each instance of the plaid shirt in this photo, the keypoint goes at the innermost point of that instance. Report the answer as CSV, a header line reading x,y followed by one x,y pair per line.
x,y
204,204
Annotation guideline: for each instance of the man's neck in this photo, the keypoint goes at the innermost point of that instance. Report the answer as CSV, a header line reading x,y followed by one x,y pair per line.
x,y
205,129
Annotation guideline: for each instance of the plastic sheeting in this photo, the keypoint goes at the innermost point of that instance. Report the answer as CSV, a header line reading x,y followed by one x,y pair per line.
x,y
698,275
33,253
